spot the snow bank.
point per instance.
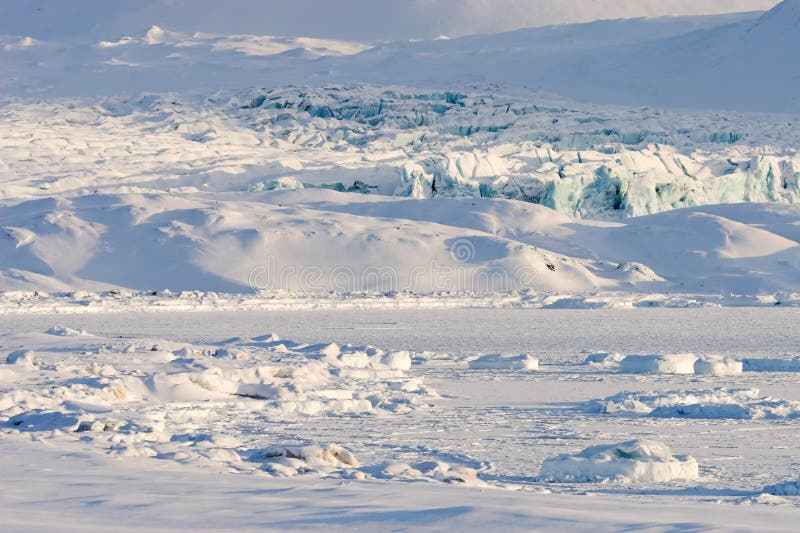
(719, 366)
(603, 359)
(433, 471)
(636, 461)
(667, 364)
(23, 358)
(288, 461)
(504, 362)
(63, 331)
(719, 403)
(771, 365)
(659, 364)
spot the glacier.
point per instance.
(587, 161)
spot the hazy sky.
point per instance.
(342, 19)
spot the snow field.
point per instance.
(199, 403)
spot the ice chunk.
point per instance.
(659, 364)
(630, 462)
(722, 366)
(504, 362)
(397, 360)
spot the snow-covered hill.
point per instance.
(316, 241)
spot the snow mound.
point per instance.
(229, 353)
(24, 358)
(355, 361)
(43, 420)
(63, 331)
(787, 488)
(719, 403)
(433, 471)
(636, 461)
(504, 362)
(771, 365)
(659, 364)
(718, 366)
(289, 461)
(603, 359)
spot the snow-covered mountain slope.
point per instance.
(343, 19)
(615, 62)
(697, 62)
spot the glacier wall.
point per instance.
(485, 141)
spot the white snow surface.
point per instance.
(179, 409)
(175, 180)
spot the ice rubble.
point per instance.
(288, 461)
(585, 161)
(636, 461)
(113, 393)
(504, 362)
(433, 471)
(719, 403)
(603, 359)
